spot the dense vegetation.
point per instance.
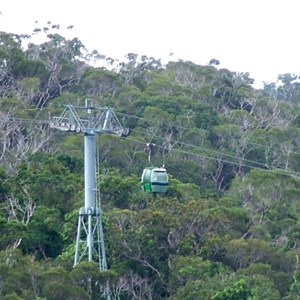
(229, 225)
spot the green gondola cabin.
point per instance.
(154, 180)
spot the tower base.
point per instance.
(90, 241)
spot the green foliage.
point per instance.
(4, 188)
(72, 163)
(56, 283)
(188, 268)
(99, 82)
(228, 226)
(12, 296)
(239, 290)
(43, 233)
(241, 253)
(88, 276)
(121, 191)
(205, 117)
(50, 175)
(19, 274)
(264, 272)
(272, 205)
(11, 231)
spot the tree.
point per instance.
(43, 237)
(264, 272)
(10, 56)
(214, 62)
(185, 269)
(11, 232)
(64, 61)
(56, 284)
(19, 275)
(99, 82)
(135, 69)
(46, 172)
(241, 253)
(96, 283)
(121, 192)
(239, 290)
(271, 201)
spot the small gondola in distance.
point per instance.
(154, 180)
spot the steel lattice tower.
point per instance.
(90, 121)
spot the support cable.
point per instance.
(263, 166)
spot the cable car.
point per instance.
(154, 180)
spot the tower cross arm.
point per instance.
(89, 119)
(108, 122)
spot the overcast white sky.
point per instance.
(256, 36)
